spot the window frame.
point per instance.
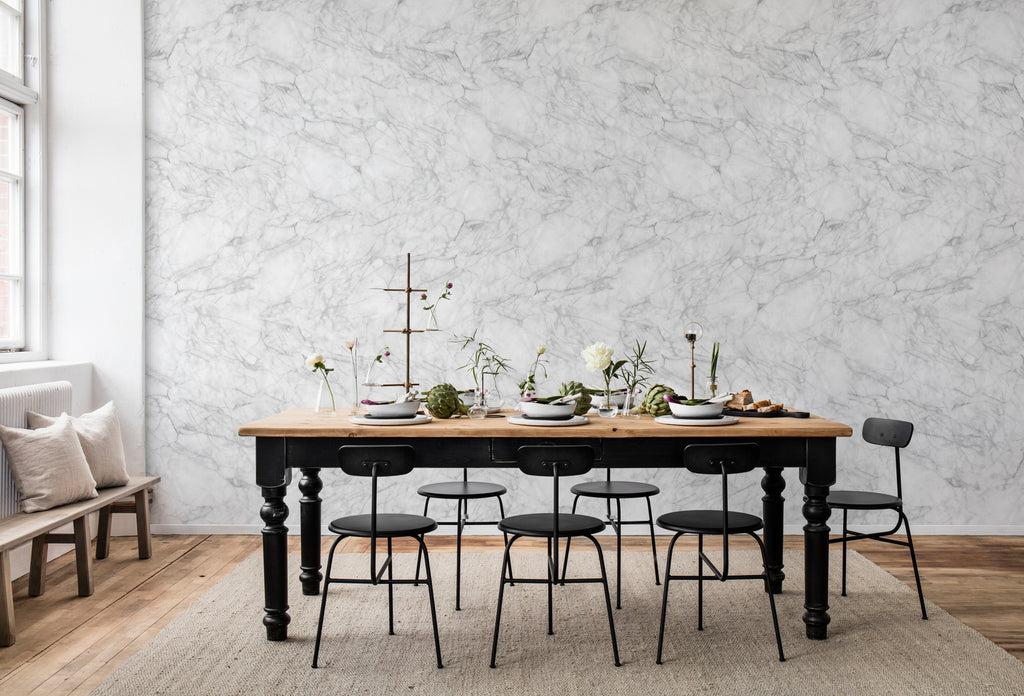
(28, 95)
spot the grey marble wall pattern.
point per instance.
(835, 192)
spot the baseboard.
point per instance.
(293, 529)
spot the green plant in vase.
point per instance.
(529, 385)
(713, 378)
(635, 373)
(483, 360)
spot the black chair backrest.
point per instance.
(722, 460)
(376, 460)
(726, 458)
(889, 433)
(551, 460)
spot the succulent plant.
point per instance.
(654, 400)
(443, 402)
(583, 405)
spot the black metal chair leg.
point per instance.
(607, 600)
(568, 541)
(771, 595)
(913, 560)
(501, 595)
(654, 544)
(391, 593)
(664, 595)
(618, 553)
(323, 600)
(551, 587)
(419, 553)
(845, 531)
(511, 575)
(430, 594)
(460, 514)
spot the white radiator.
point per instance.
(50, 399)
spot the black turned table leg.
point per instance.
(275, 563)
(816, 511)
(772, 510)
(310, 486)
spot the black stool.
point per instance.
(554, 461)
(375, 461)
(720, 460)
(617, 490)
(462, 491)
(888, 433)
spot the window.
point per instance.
(21, 196)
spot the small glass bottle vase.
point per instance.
(716, 385)
(605, 404)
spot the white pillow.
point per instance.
(100, 435)
(48, 465)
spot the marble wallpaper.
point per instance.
(834, 191)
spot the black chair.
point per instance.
(555, 461)
(618, 491)
(461, 491)
(888, 433)
(376, 461)
(717, 460)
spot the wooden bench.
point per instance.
(36, 527)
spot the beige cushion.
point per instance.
(48, 465)
(100, 435)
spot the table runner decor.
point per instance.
(878, 643)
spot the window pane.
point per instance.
(9, 142)
(6, 210)
(6, 309)
(10, 40)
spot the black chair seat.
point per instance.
(542, 524)
(388, 525)
(863, 500)
(615, 489)
(453, 490)
(709, 522)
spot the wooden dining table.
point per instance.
(304, 440)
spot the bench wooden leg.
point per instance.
(37, 568)
(142, 524)
(103, 533)
(83, 556)
(6, 601)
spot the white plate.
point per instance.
(575, 420)
(672, 420)
(417, 420)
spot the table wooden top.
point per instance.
(303, 422)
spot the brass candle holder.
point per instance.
(692, 332)
(408, 330)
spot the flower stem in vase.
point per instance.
(607, 407)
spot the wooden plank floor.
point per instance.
(69, 644)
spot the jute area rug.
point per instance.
(878, 643)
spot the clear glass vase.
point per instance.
(716, 385)
(431, 320)
(324, 405)
(479, 408)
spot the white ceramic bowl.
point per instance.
(468, 398)
(618, 398)
(535, 409)
(700, 411)
(404, 409)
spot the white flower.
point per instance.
(313, 359)
(350, 344)
(598, 357)
(541, 349)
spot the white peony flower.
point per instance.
(598, 357)
(541, 349)
(313, 359)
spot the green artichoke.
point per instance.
(583, 405)
(443, 402)
(654, 401)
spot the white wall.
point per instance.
(834, 189)
(96, 243)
